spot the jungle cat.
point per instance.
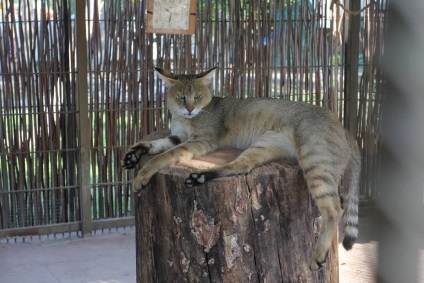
(266, 129)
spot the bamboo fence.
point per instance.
(288, 49)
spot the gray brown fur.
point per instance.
(266, 129)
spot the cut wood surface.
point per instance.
(256, 227)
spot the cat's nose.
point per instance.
(189, 108)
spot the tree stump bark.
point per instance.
(258, 227)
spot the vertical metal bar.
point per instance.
(351, 87)
(400, 199)
(84, 123)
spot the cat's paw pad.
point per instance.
(130, 161)
(195, 179)
(133, 155)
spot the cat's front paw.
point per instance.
(140, 181)
(134, 153)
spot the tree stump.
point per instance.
(257, 227)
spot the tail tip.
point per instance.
(348, 242)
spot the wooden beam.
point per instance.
(40, 230)
(352, 60)
(113, 223)
(84, 125)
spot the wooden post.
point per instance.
(258, 227)
(84, 123)
(352, 61)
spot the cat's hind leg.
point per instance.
(329, 207)
(323, 187)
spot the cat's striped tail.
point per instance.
(350, 196)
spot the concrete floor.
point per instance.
(107, 258)
(358, 265)
(110, 258)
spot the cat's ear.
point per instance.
(206, 77)
(166, 76)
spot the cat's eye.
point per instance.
(181, 97)
(196, 97)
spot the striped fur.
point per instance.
(266, 130)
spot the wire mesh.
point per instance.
(288, 49)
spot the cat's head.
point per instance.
(186, 95)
